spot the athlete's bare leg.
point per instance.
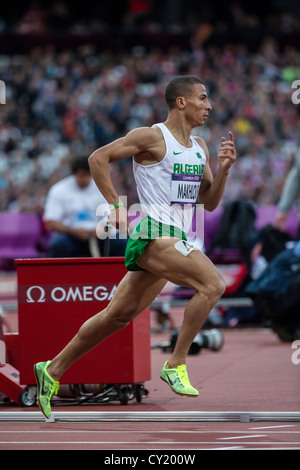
(138, 289)
(195, 271)
(134, 293)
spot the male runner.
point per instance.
(168, 165)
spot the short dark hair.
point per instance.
(180, 86)
(80, 163)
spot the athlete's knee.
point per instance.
(117, 320)
(121, 318)
(119, 323)
(215, 288)
(220, 287)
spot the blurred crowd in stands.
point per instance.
(69, 102)
(63, 16)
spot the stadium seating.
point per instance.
(20, 235)
(266, 215)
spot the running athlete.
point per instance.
(171, 168)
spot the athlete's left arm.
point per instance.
(212, 188)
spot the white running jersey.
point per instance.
(168, 189)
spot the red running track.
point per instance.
(253, 372)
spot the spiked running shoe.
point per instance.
(46, 387)
(178, 380)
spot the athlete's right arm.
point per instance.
(137, 141)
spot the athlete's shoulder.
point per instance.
(144, 137)
(202, 144)
(151, 133)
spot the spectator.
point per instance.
(70, 213)
(68, 103)
(291, 191)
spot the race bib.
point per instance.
(185, 188)
(184, 247)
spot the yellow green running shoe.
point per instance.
(46, 387)
(178, 380)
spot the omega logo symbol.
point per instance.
(41, 298)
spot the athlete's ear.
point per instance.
(180, 101)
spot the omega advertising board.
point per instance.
(57, 295)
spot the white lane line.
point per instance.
(271, 448)
(228, 448)
(156, 443)
(138, 431)
(272, 427)
(242, 437)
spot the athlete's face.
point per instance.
(197, 105)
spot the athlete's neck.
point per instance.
(180, 130)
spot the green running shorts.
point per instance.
(146, 230)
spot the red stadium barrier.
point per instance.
(55, 296)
